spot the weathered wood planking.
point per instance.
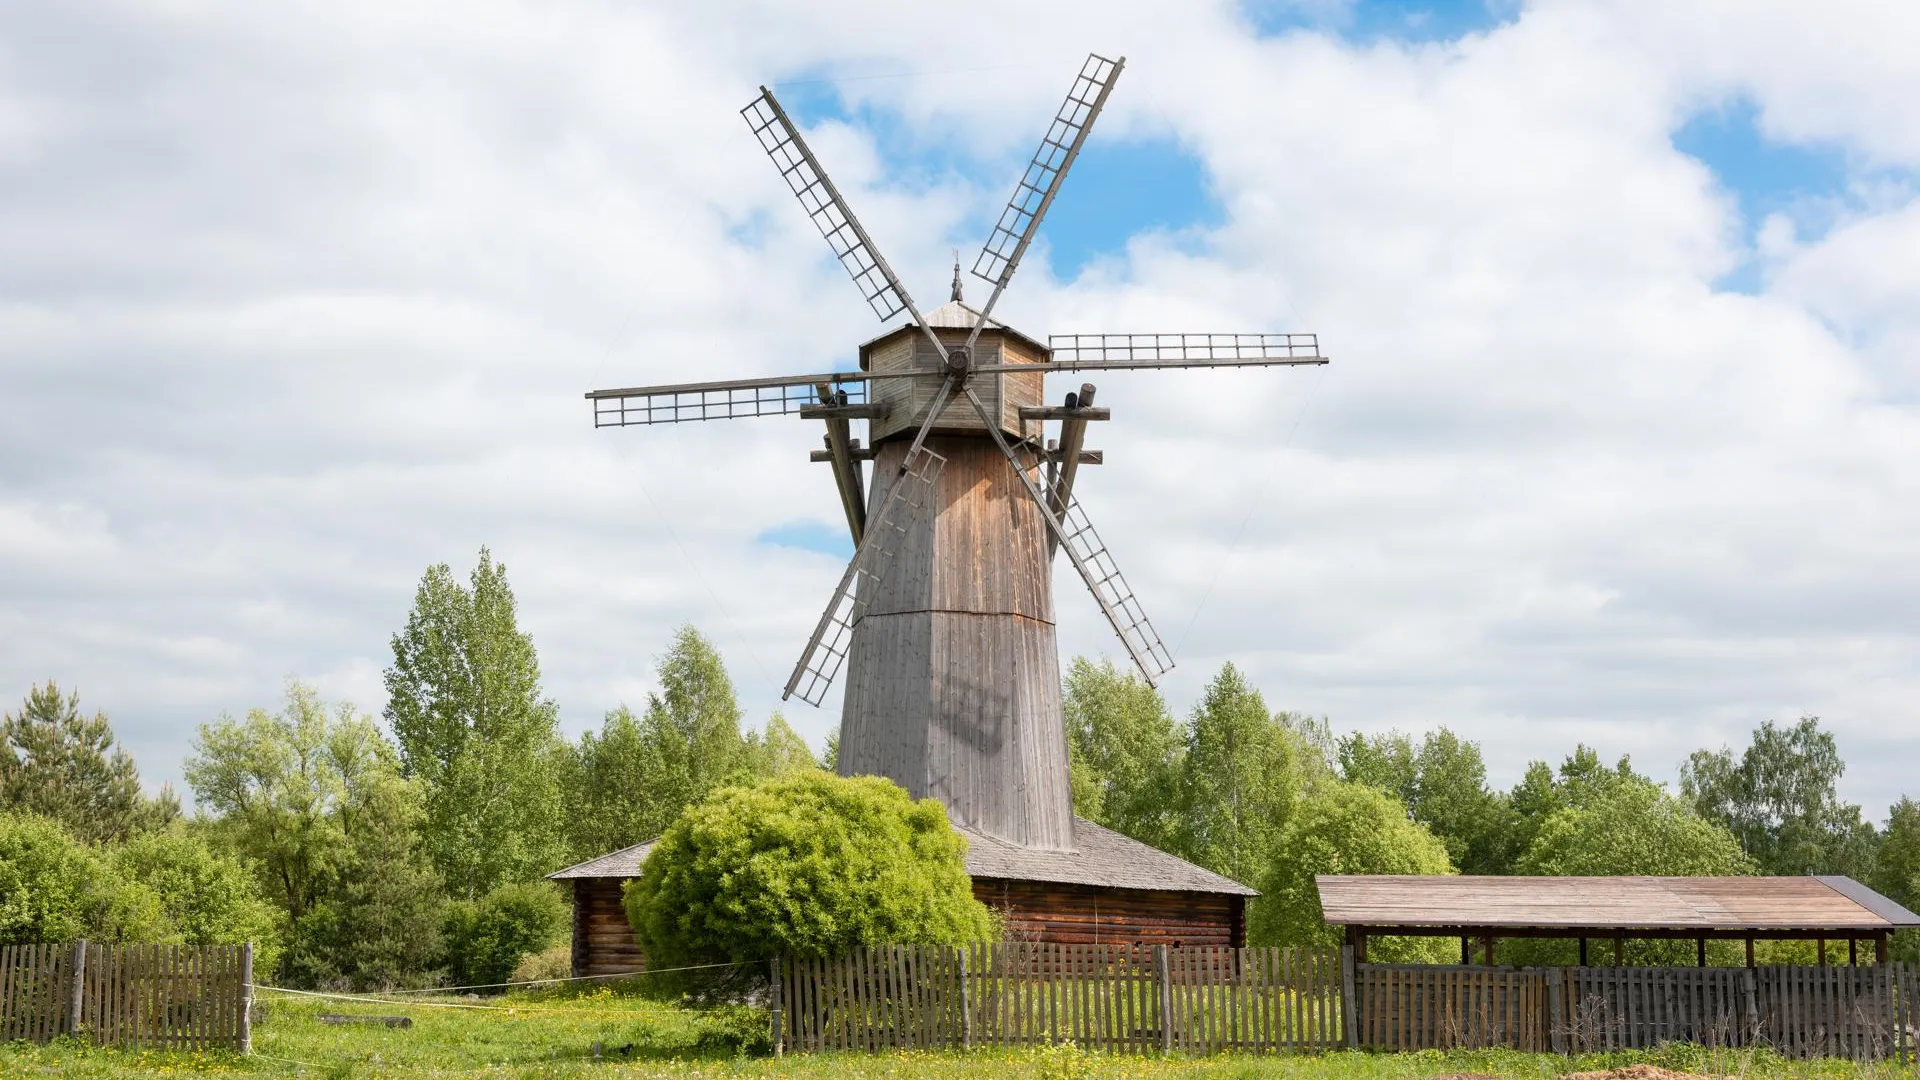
(953, 678)
(189, 997)
(1071, 914)
(1118, 998)
(603, 939)
(907, 400)
(1724, 905)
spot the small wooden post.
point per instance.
(1466, 950)
(76, 988)
(1700, 952)
(1821, 949)
(1486, 949)
(1349, 999)
(1583, 952)
(778, 1007)
(246, 998)
(1880, 948)
(1619, 950)
(1749, 952)
(1750, 1000)
(966, 1002)
(1853, 953)
(1163, 974)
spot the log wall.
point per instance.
(1093, 915)
(603, 942)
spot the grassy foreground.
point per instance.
(555, 1035)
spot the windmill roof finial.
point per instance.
(956, 276)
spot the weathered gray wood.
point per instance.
(846, 471)
(1163, 980)
(1349, 998)
(76, 987)
(1079, 414)
(338, 1019)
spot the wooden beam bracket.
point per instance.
(1061, 412)
(865, 411)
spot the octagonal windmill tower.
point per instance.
(944, 618)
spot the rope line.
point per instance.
(575, 978)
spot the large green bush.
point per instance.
(1345, 828)
(488, 937)
(54, 888)
(808, 865)
(205, 897)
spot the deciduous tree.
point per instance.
(1780, 798)
(1124, 749)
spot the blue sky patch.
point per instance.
(1375, 20)
(810, 535)
(1807, 183)
(1117, 189)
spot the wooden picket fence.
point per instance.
(177, 997)
(1109, 997)
(1863, 1013)
(1415, 1007)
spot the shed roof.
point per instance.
(1100, 857)
(1610, 903)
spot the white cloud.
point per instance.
(295, 301)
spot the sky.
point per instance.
(1622, 297)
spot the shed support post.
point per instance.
(1619, 950)
(1163, 977)
(1700, 951)
(1583, 952)
(76, 989)
(1466, 950)
(1880, 948)
(1349, 999)
(1750, 1001)
(1820, 949)
(1749, 952)
(1486, 949)
(1853, 952)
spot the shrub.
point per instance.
(205, 898)
(553, 963)
(806, 864)
(53, 888)
(486, 938)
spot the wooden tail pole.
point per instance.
(76, 995)
(246, 998)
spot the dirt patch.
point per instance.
(1640, 1072)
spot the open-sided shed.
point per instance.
(1484, 909)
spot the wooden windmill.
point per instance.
(944, 616)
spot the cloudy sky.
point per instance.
(1623, 298)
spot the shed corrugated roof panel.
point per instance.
(1664, 903)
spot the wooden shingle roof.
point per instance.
(1610, 903)
(1099, 857)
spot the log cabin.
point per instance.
(1108, 888)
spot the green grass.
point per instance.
(554, 1035)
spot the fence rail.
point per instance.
(180, 997)
(1111, 997)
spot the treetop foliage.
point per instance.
(61, 764)
(1780, 798)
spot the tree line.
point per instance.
(411, 850)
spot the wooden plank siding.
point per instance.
(1040, 911)
(953, 676)
(603, 941)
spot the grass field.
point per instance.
(556, 1035)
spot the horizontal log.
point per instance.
(377, 1021)
(858, 453)
(1062, 412)
(877, 410)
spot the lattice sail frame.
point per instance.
(1000, 256)
(824, 206)
(912, 492)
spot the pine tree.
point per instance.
(62, 765)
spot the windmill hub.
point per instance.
(959, 362)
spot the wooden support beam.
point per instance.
(1749, 952)
(1880, 948)
(1073, 434)
(1700, 952)
(1079, 411)
(1853, 952)
(1820, 948)
(1087, 457)
(1583, 952)
(1466, 951)
(1619, 950)
(854, 451)
(835, 411)
(1486, 946)
(846, 471)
